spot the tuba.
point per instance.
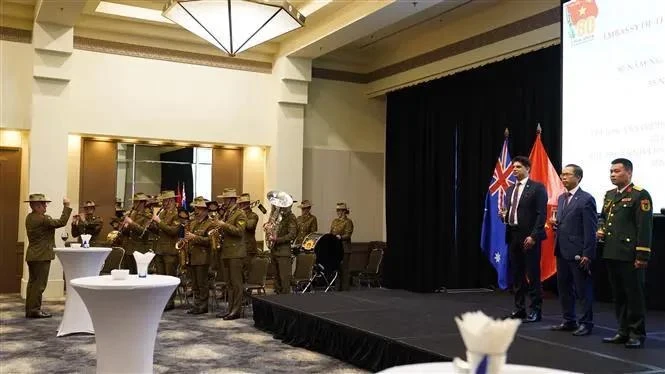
(278, 200)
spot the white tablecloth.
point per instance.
(448, 368)
(77, 263)
(125, 314)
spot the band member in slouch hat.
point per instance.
(40, 229)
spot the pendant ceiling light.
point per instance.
(234, 25)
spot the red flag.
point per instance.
(543, 171)
(178, 196)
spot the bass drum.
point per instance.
(328, 249)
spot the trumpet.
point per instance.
(216, 239)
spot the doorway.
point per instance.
(11, 254)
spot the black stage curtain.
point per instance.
(172, 174)
(420, 156)
(455, 125)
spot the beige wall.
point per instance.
(344, 156)
(15, 84)
(253, 181)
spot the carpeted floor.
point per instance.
(185, 344)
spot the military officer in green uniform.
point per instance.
(167, 225)
(283, 236)
(198, 246)
(342, 228)
(625, 226)
(40, 228)
(243, 203)
(137, 237)
(307, 223)
(232, 226)
(88, 223)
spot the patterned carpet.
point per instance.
(185, 344)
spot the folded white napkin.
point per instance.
(482, 334)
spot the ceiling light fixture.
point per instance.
(235, 25)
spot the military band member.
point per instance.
(244, 202)
(284, 235)
(307, 223)
(88, 223)
(342, 228)
(626, 226)
(232, 228)
(167, 225)
(198, 244)
(135, 232)
(40, 229)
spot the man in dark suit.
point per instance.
(575, 249)
(526, 207)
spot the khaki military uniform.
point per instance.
(344, 228)
(91, 226)
(166, 256)
(307, 224)
(40, 229)
(250, 240)
(627, 220)
(232, 227)
(137, 237)
(199, 262)
(281, 252)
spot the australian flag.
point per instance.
(493, 236)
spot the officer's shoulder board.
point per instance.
(637, 188)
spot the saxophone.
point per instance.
(182, 245)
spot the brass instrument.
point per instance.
(278, 200)
(112, 237)
(216, 239)
(182, 245)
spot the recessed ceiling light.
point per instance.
(131, 11)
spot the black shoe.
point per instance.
(232, 316)
(221, 314)
(566, 326)
(518, 314)
(533, 317)
(169, 307)
(40, 314)
(583, 330)
(635, 343)
(616, 339)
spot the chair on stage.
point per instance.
(329, 254)
(303, 273)
(371, 275)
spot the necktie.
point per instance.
(513, 205)
(567, 199)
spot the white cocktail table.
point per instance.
(126, 315)
(77, 263)
(449, 368)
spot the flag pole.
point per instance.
(506, 133)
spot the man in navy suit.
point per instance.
(575, 249)
(526, 207)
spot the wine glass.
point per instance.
(64, 236)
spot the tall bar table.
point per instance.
(126, 315)
(77, 263)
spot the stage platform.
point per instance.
(378, 328)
